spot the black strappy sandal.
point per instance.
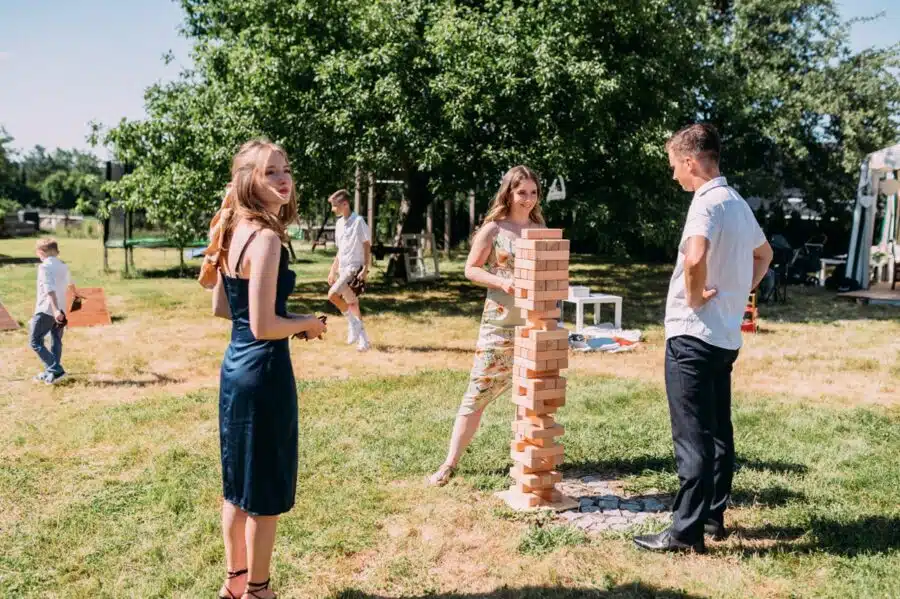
(260, 586)
(231, 576)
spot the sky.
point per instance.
(64, 63)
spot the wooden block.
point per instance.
(93, 310)
(7, 323)
(550, 495)
(549, 355)
(524, 303)
(549, 275)
(532, 464)
(520, 501)
(530, 285)
(549, 294)
(533, 451)
(538, 325)
(546, 394)
(531, 431)
(542, 442)
(518, 445)
(542, 234)
(537, 306)
(536, 479)
(539, 245)
(542, 490)
(563, 244)
(523, 274)
(540, 421)
(551, 405)
(535, 405)
(554, 335)
(550, 255)
(544, 465)
(545, 320)
(537, 384)
(530, 501)
(527, 364)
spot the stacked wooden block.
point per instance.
(541, 351)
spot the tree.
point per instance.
(447, 94)
(797, 109)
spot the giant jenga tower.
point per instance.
(542, 279)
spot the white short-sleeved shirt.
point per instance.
(52, 275)
(721, 215)
(350, 234)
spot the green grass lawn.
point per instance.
(110, 487)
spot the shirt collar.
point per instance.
(711, 184)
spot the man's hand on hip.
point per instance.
(697, 303)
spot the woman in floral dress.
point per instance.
(490, 264)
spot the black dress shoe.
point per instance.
(715, 529)
(664, 541)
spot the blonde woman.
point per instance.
(257, 395)
(490, 264)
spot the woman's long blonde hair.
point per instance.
(499, 208)
(242, 202)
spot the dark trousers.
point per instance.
(698, 386)
(41, 326)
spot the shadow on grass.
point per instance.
(666, 463)
(84, 379)
(867, 535)
(389, 349)
(626, 591)
(17, 260)
(190, 271)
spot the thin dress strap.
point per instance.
(240, 260)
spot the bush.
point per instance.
(8, 206)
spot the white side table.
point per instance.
(596, 299)
(824, 263)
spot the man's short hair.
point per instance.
(341, 195)
(47, 245)
(700, 140)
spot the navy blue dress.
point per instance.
(258, 407)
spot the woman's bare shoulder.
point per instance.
(488, 231)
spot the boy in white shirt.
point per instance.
(351, 234)
(53, 281)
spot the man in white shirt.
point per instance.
(723, 254)
(53, 281)
(354, 245)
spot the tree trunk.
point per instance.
(429, 226)
(416, 198)
(371, 209)
(471, 214)
(448, 224)
(357, 192)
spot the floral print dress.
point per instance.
(492, 368)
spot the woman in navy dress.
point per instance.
(258, 395)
